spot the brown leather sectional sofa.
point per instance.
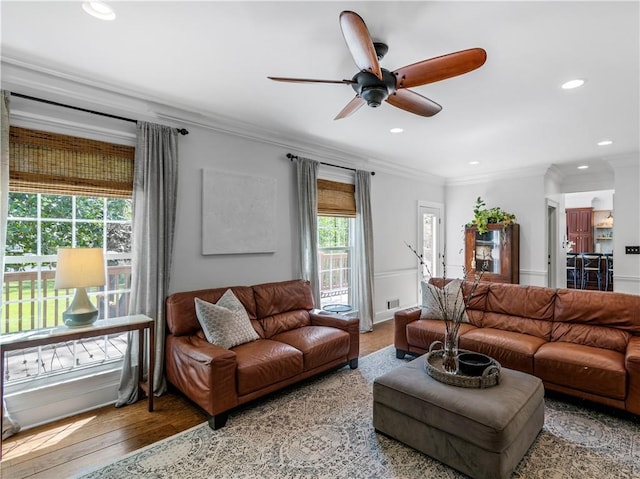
(296, 342)
(581, 343)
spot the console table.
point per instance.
(61, 334)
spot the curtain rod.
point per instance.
(182, 131)
(295, 157)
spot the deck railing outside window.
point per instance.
(335, 253)
(30, 302)
(335, 276)
(37, 225)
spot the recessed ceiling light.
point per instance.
(571, 84)
(99, 10)
(396, 130)
(583, 167)
(605, 143)
(474, 162)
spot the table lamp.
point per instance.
(80, 268)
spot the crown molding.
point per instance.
(623, 160)
(46, 81)
(554, 173)
(534, 171)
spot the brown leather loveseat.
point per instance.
(295, 342)
(581, 343)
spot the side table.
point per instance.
(103, 327)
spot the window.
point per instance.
(336, 221)
(61, 194)
(335, 259)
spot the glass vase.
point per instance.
(450, 355)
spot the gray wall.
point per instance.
(394, 205)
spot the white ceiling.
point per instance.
(213, 58)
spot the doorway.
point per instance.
(431, 238)
(552, 243)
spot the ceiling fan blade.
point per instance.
(351, 108)
(440, 68)
(359, 42)
(413, 102)
(309, 80)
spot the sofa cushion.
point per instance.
(281, 297)
(518, 324)
(420, 334)
(520, 309)
(181, 311)
(511, 350)
(585, 368)
(436, 298)
(264, 362)
(617, 310)
(223, 326)
(588, 335)
(279, 323)
(319, 344)
(534, 302)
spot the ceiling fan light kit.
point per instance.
(373, 84)
(372, 89)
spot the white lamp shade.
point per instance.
(80, 268)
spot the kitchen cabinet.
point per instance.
(580, 229)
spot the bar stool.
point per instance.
(572, 269)
(591, 264)
(608, 279)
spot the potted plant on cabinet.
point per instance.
(492, 244)
(483, 217)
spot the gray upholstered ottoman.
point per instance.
(483, 433)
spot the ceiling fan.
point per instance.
(373, 84)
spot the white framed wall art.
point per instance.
(238, 213)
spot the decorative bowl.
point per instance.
(473, 364)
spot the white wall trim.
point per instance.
(623, 160)
(536, 171)
(35, 121)
(36, 80)
(397, 273)
(626, 284)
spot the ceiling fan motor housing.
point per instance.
(373, 90)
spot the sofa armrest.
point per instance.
(204, 372)
(350, 325)
(400, 321)
(333, 320)
(632, 365)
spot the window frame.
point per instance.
(350, 250)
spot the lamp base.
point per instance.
(80, 312)
(76, 320)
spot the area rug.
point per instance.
(322, 429)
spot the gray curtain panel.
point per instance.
(307, 174)
(364, 251)
(154, 209)
(9, 426)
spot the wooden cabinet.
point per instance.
(496, 252)
(580, 229)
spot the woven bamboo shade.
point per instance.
(43, 162)
(336, 199)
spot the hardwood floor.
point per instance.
(67, 446)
